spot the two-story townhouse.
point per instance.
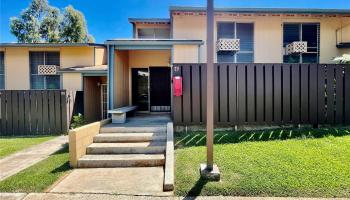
(139, 68)
(80, 68)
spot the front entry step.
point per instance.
(144, 129)
(129, 137)
(122, 160)
(126, 148)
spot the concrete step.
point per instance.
(144, 129)
(122, 160)
(126, 148)
(129, 137)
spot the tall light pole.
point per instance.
(209, 170)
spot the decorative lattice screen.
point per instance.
(47, 69)
(228, 45)
(296, 47)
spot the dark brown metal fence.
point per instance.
(33, 112)
(266, 94)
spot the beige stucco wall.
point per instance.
(72, 81)
(268, 34)
(121, 74)
(77, 56)
(149, 58)
(17, 69)
(186, 53)
(100, 56)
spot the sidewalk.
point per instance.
(21, 160)
(78, 196)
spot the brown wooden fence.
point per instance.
(33, 112)
(266, 94)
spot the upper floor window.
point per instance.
(153, 33)
(2, 70)
(242, 31)
(306, 32)
(43, 81)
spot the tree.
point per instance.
(26, 27)
(49, 27)
(73, 26)
(41, 22)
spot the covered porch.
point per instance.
(139, 73)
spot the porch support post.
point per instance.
(110, 76)
(209, 170)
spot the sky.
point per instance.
(108, 19)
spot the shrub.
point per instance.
(77, 121)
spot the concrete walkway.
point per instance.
(21, 160)
(122, 181)
(77, 196)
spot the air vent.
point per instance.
(296, 47)
(47, 69)
(228, 45)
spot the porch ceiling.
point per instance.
(150, 43)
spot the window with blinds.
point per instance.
(2, 70)
(43, 81)
(242, 31)
(153, 33)
(308, 32)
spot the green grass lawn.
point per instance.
(303, 163)
(9, 145)
(40, 176)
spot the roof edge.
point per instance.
(264, 10)
(149, 20)
(52, 45)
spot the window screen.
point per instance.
(2, 70)
(309, 32)
(43, 81)
(242, 31)
(153, 33)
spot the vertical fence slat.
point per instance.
(347, 95)
(286, 68)
(46, 122)
(9, 110)
(39, 99)
(58, 112)
(15, 112)
(3, 113)
(250, 93)
(241, 93)
(21, 112)
(63, 106)
(187, 94)
(33, 113)
(313, 94)
(260, 100)
(277, 86)
(268, 93)
(232, 82)
(223, 94)
(296, 93)
(204, 92)
(196, 94)
(216, 93)
(51, 95)
(339, 113)
(304, 98)
(321, 115)
(27, 119)
(330, 94)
